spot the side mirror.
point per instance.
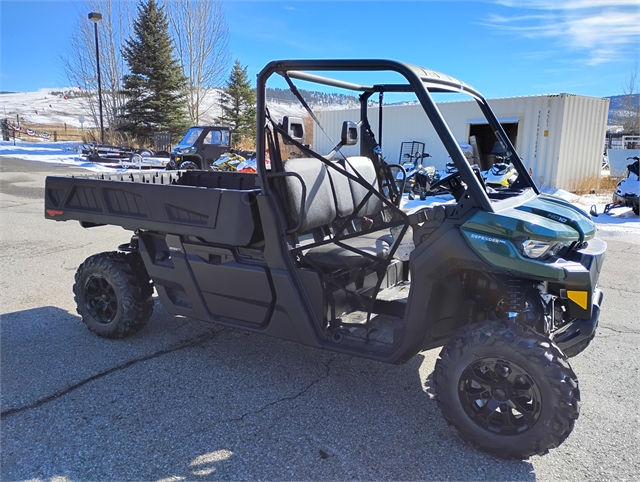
(349, 136)
(294, 127)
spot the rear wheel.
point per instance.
(507, 389)
(113, 294)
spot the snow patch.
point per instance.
(621, 221)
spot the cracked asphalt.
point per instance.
(187, 400)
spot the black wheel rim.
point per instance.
(500, 396)
(101, 299)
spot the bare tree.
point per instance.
(201, 38)
(628, 116)
(80, 66)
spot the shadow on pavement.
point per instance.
(184, 400)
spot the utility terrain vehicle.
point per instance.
(200, 147)
(504, 281)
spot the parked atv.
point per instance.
(504, 281)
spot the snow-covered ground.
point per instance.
(67, 153)
(619, 221)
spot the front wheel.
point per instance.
(189, 165)
(507, 389)
(113, 294)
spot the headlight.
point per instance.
(186, 150)
(535, 249)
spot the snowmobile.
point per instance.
(501, 175)
(424, 178)
(228, 161)
(627, 191)
(418, 177)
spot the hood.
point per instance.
(545, 218)
(628, 187)
(558, 210)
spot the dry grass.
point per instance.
(594, 185)
(245, 145)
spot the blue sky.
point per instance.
(502, 47)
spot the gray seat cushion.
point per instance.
(331, 256)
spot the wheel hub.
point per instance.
(500, 396)
(100, 299)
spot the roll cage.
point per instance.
(420, 81)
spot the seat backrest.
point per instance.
(329, 194)
(341, 191)
(365, 167)
(319, 204)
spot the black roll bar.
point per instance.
(416, 76)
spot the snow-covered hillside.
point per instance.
(65, 106)
(44, 108)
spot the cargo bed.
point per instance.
(194, 203)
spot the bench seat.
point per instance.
(331, 197)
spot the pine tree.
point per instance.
(155, 86)
(238, 104)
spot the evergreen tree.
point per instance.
(155, 86)
(238, 104)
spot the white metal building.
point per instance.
(559, 137)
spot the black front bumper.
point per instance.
(580, 330)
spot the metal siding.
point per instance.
(570, 151)
(584, 130)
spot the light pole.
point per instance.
(95, 17)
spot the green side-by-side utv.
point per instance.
(307, 250)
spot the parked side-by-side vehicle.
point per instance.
(503, 280)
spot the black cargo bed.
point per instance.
(219, 207)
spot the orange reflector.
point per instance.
(579, 298)
(52, 212)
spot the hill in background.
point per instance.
(618, 103)
(60, 107)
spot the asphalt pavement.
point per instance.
(188, 400)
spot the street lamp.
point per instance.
(95, 17)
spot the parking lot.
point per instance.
(187, 400)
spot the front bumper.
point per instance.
(581, 272)
(579, 330)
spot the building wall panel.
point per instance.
(560, 137)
